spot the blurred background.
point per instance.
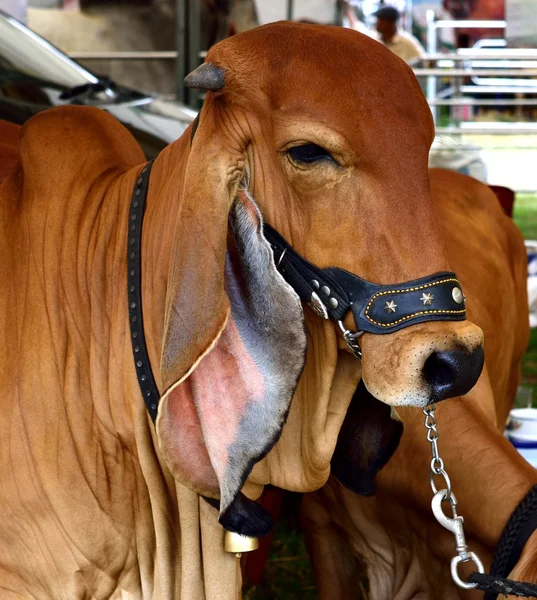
(476, 61)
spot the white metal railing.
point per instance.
(496, 70)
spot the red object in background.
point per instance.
(253, 563)
(506, 197)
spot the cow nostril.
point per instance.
(437, 370)
(452, 373)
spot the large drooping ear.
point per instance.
(230, 378)
(368, 438)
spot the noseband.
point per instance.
(376, 308)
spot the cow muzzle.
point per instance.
(423, 364)
(440, 356)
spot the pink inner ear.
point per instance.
(204, 413)
(223, 385)
(182, 442)
(231, 410)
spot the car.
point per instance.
(35, 76)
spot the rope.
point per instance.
(499, 585)
(521, 524)
(505, 558)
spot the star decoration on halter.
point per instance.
(390, 306)
(427, 298)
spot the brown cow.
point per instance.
(8, 149)
(95, 501)
(393, 535)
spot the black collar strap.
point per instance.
(148, 387)
(376, 308)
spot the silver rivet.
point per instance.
(325, 290)
(139, 363)
(457, 295)
(132, 255)
(138, 191)
(317, 306)
(333, 302)
(144, 170)
(148, 394)
(153, 407)
(135, 204)
(133, 304)
(143, 377)
(315, 284)
(137, 348)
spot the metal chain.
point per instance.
(454, 524)
(351, 339)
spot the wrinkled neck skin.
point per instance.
(80, 453)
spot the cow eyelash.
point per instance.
(309, 154)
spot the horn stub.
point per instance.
(206, 77)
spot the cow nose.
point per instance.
(452, 373)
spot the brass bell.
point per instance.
(237, 543)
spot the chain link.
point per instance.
(351, 339)
(455, 523)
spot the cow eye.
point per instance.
(309, 153)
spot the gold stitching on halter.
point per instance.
(416, 314)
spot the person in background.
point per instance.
(400, 42)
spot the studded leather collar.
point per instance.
(146, 380)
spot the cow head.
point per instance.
(328, 133)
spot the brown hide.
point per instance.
(393, 535)
(96, 502)
(9, 150)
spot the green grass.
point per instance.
(525, 216)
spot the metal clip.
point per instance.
(351, 339)
(455, 525)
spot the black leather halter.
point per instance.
(376, 308)
(330, 292)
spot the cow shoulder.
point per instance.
(76, 141)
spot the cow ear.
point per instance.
(368, 438)
(234, 339)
